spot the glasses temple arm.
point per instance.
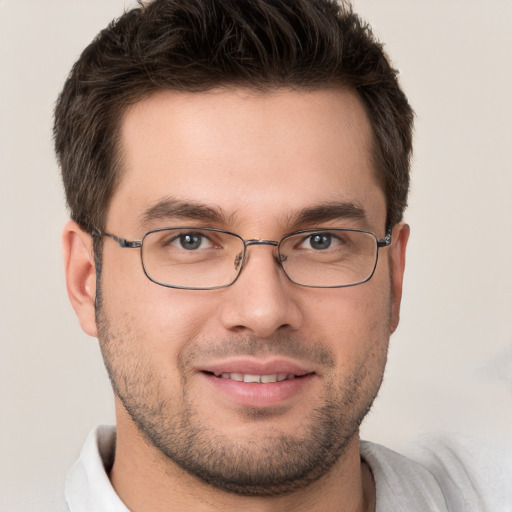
(386, 241)
(130, 244)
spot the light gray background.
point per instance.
(450, 368)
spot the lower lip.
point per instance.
(254, 394)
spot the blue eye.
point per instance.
(190, 241)
(320, 241)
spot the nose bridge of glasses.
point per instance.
(253, 241)
(256, 241)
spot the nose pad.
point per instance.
(239, 260)
(242, 257)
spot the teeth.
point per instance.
(264, 379)
(252, 378)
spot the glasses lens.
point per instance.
(329, 258)
(192, 258)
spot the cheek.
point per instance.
(163, 319)
(353, 321)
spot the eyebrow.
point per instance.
(168, 208)
(330, 211)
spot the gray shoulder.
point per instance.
(46, 502)
(458, 474)
(475, 476)
(55, 504)
(401, 484)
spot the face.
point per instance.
(250, 163)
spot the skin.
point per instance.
(257, 159)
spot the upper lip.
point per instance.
(248, 366)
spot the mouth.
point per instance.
(256, 378)
(249, 382)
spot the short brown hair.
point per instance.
(196, 45)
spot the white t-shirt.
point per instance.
(452, 477)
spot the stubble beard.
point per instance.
(274, 463)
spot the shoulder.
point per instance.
(45, 501)
(401, 484)
(475, 476)
(454, 474)
(54, 503)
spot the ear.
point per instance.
(80, 274)
(397, 266)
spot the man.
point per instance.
(236, 173)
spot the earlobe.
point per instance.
(80, 274)
(397, 267)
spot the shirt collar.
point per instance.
(88, 486)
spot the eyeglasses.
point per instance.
(206, 258)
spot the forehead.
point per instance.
(251, 155)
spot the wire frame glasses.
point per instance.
(207, 258)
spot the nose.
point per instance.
(263, 300)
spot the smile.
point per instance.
(260, 385)
(262, 379)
